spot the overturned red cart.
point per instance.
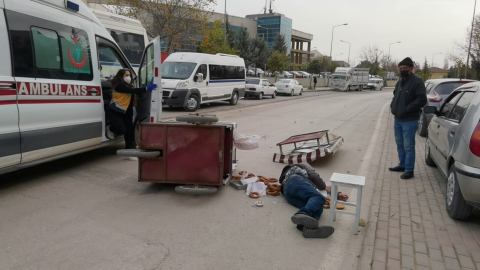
(195, 152)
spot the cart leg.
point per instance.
(281, 151)
(318, 142)
(295, 144)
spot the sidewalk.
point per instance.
(318, 89)
(413, 230)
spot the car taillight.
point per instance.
(475, 141)
(286, 86)
(253, 89)
(437, 98)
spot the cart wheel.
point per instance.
(138, 153)
(200, 119)
(195, 190)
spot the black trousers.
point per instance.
(122, 124)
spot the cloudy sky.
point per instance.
(424, 27)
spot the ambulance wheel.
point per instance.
(196, 190)
(197, 119)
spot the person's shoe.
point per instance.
(397, 169)
(407, 175)
(307, 221)
(320, 232)
(110, 135)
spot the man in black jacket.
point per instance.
(300, 185)
(409, 97)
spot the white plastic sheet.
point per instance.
(248, 142)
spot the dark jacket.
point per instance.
(312, 175)
(315, 79)
(409, 97)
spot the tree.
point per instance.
(372, 58)
(259, 52)
(230, 34)
(278, 62)
(244, 46)
(445, 64)
(213, 41)
(280, 44)
(315, 66)
(178, 22)
(424, 73)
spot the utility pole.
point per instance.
(433, 57)
(225, 34)
(349, 46)
(470, 44)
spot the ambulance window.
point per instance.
(47, 51)
(147, 66)
(109, 61)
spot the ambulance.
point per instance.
(53, 94)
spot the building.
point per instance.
(341, 63)
(270, 25)
(438, 73)
(300, 53)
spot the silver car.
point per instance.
(453, 145)
(437, 91)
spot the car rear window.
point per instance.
(252, 81)
(447, 88)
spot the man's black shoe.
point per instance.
(307, 221)
(397, 169)
(407, 175)
(320, 232)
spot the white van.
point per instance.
(375, 84)
(191, 79)
(52, 97)
(129, 34)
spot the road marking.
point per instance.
(367, 158)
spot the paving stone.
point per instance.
(378, 265)
(407, 239)
(407, 250)
(393, 264)
(449, 252)
(476, 256)
(435, 254)
(420, 247)
(381, 244)
(408, 262)
(380, 255)
(466, 261)
(421, 259)
(461, 250)
(393, 253)
(394, 242)
(433, 243)
(436, 265)
(418, 236)
(382, 234)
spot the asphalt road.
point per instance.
(89, 211)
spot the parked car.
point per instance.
(289, 87)
(453, 145)
(259, 88)
(437, 91)
(297, 74)
(305, 74)
(284, 74)
(251, 72)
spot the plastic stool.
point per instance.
(351, 181)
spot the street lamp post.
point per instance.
(338, 55)
(331, 43)
(470, 43)
(433, 57)
(349, 45)
(389, 57)
(225, 35)
(259, 26)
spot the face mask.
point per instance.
(405, 73)
(127, 79)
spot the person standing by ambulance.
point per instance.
(120, 110)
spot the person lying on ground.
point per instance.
(301, 186)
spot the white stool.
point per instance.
(351, 181)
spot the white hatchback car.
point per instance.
(259, 88)
(289, 87)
